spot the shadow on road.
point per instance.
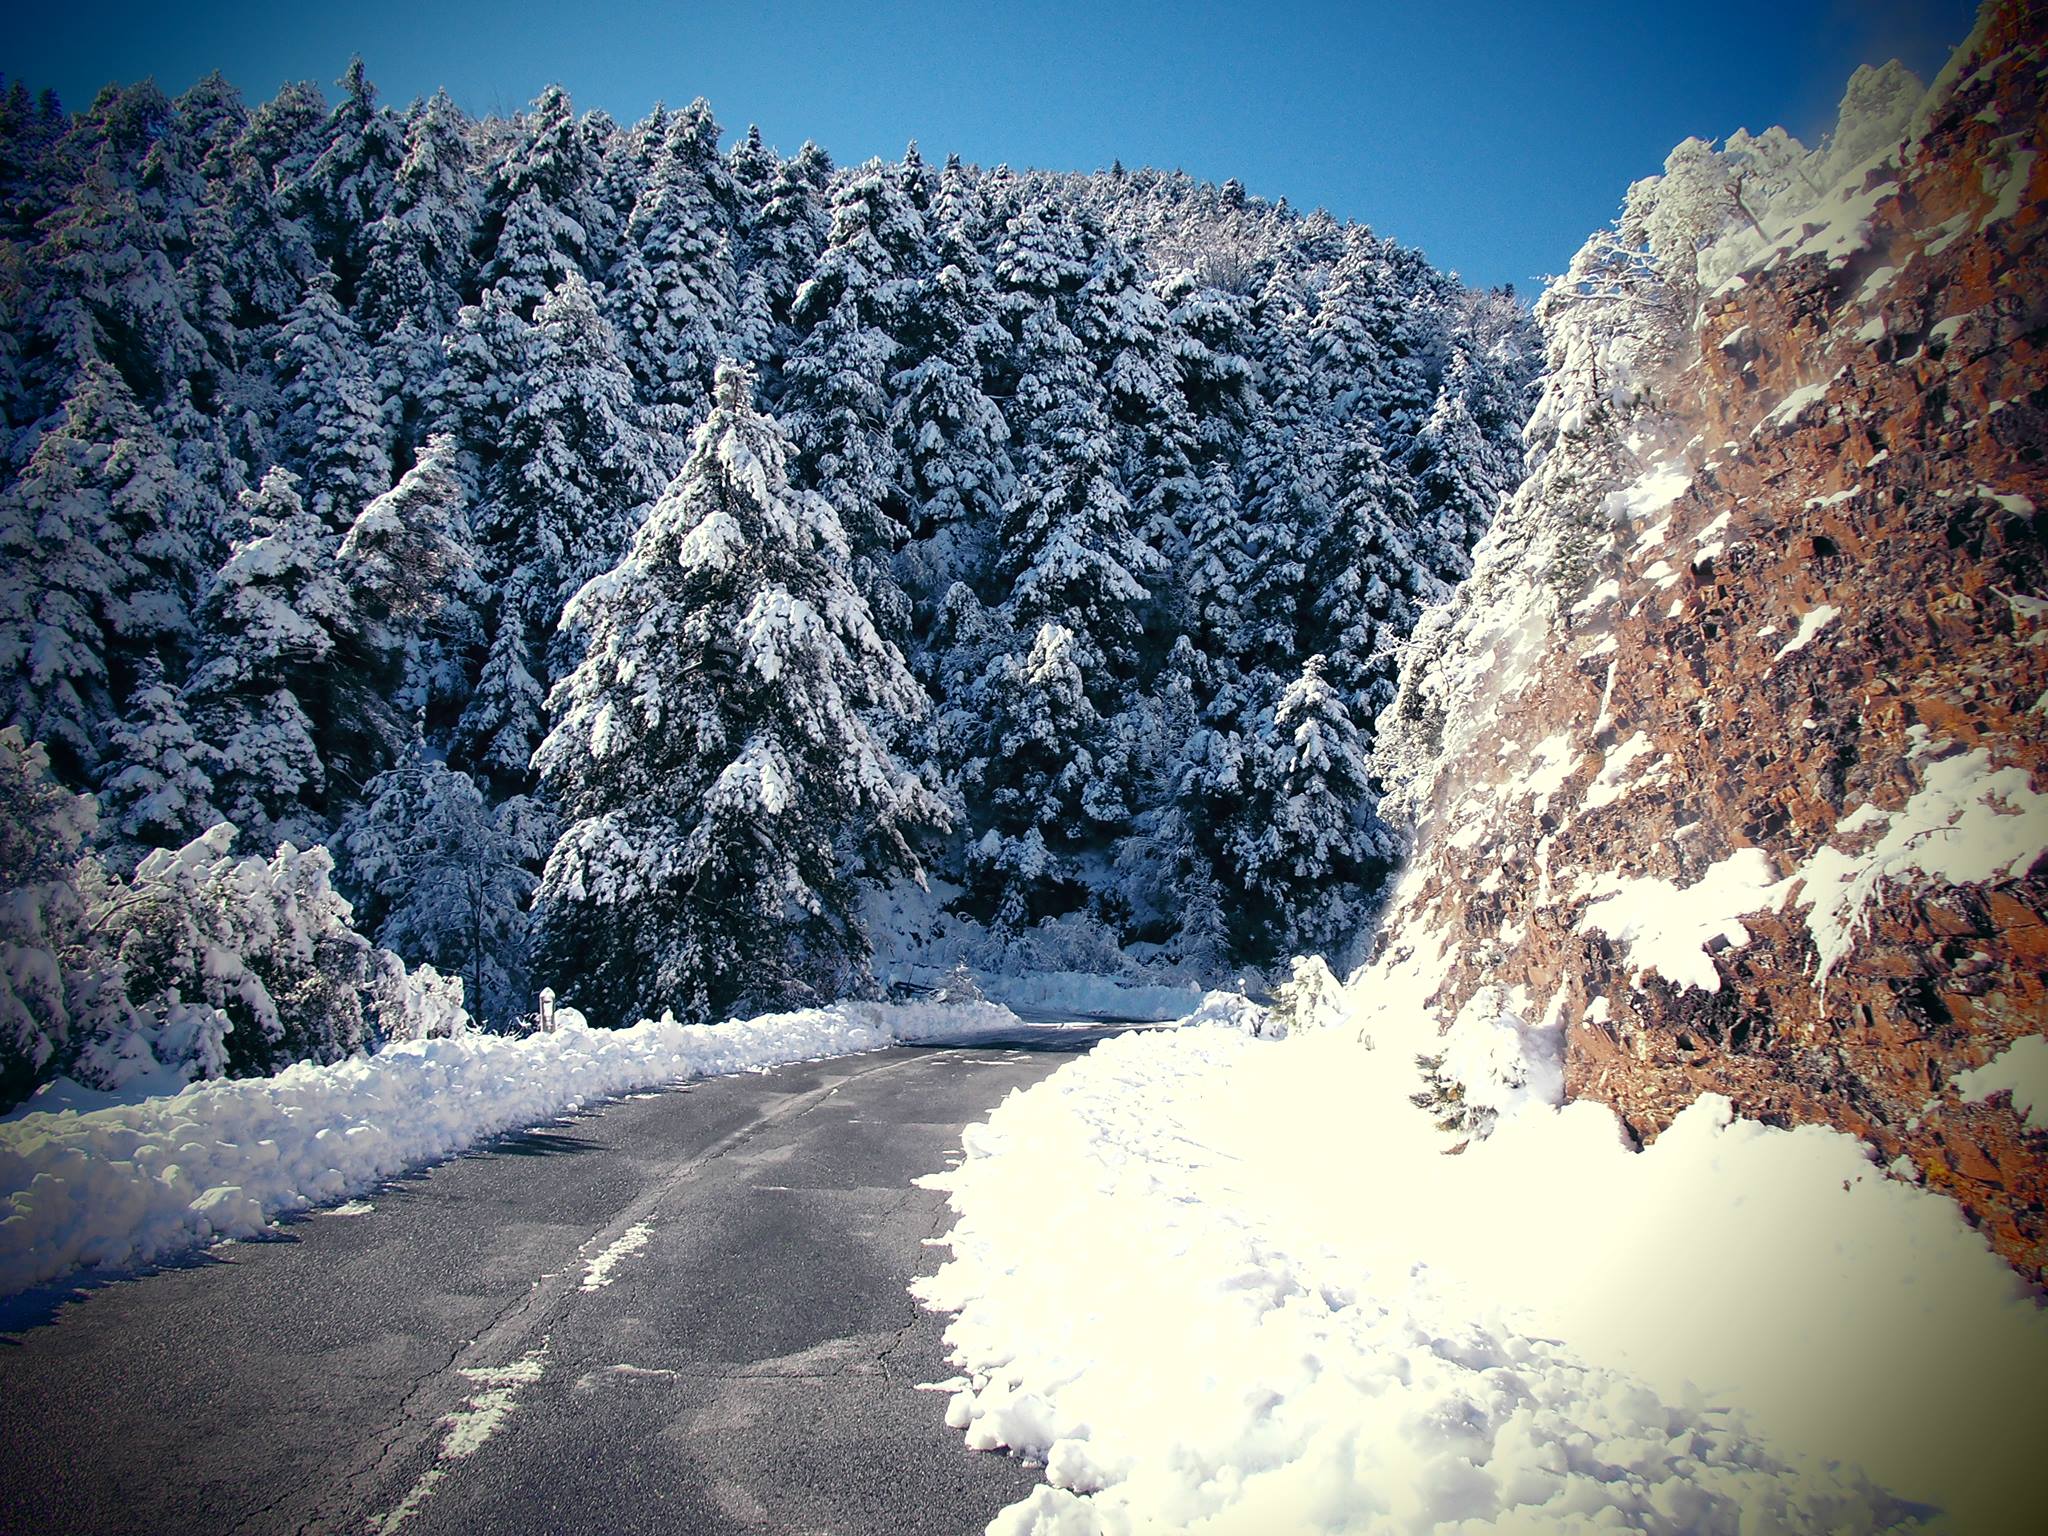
(532, 1144)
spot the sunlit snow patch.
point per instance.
(2020, 1070)
(466, 1430)
(1392, 1339)
(1668, 928)
(598, 1273)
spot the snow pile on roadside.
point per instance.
(1260, 1299)
(135, 1183)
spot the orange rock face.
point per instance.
(1845, 607)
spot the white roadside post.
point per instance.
(547, 1010)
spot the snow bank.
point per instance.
(1260, 1300)
(136, 1183)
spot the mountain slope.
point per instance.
(1726, 764)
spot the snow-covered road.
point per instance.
(686, 1311)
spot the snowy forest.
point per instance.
(447, 557)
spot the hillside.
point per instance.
(1725, 764)
(1079, 499)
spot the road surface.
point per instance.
(684, 1312)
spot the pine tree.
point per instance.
(1068, 547)
(575, 468)
(273, 253)
(711, 752)
(51, 982)
(1311, 846)
(445, 878)
(1218, 568)
(1462, 470)
(410, 562)
(418, 265)
(1042, 734)
(951, 439)
(1126, 329)
(539, 206)
(286, 687)
(677, 290)
(782, 243)
(159, 788)
(336, 428)
(1367, 583)
(348, 188)
(834, 381)
(97, 571)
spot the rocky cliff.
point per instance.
(1727, 765)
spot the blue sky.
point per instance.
(1493, 135)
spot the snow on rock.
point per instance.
(1671, 929)
(2020, 1070)
(1262, 1301)
(132, 1184)
(1794, 406)
(1810, 625)
(1650, 494)
(1968, 822)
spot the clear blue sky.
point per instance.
(1491, 134)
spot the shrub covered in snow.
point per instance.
(202, 963)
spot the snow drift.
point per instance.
(1260, 1299)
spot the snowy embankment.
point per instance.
(1218, 1283)
(141, 1182)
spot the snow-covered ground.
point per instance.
(1226, 1284)
(133, 1183)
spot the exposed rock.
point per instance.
(1792, 664)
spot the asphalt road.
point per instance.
(461, 1357)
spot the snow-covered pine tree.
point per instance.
(97, 572)
(576, 465)
(335, 431)
(287, 687)
(674, 285)
(1040, 733)
(951, 439)
(1461, 469)
(52, 982)
(1311, 845)
(712, 754)
(751, 165)
(159, 792)
(1217, 569)
(537, 216)
(1069, 551)
(1126, 329)
(348, 188)
(834, 382)
(1213, 342)
(445, 878)
(1287, 480)
(410, 563)
(782, 242)
(1365, 580)
(418, 266)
